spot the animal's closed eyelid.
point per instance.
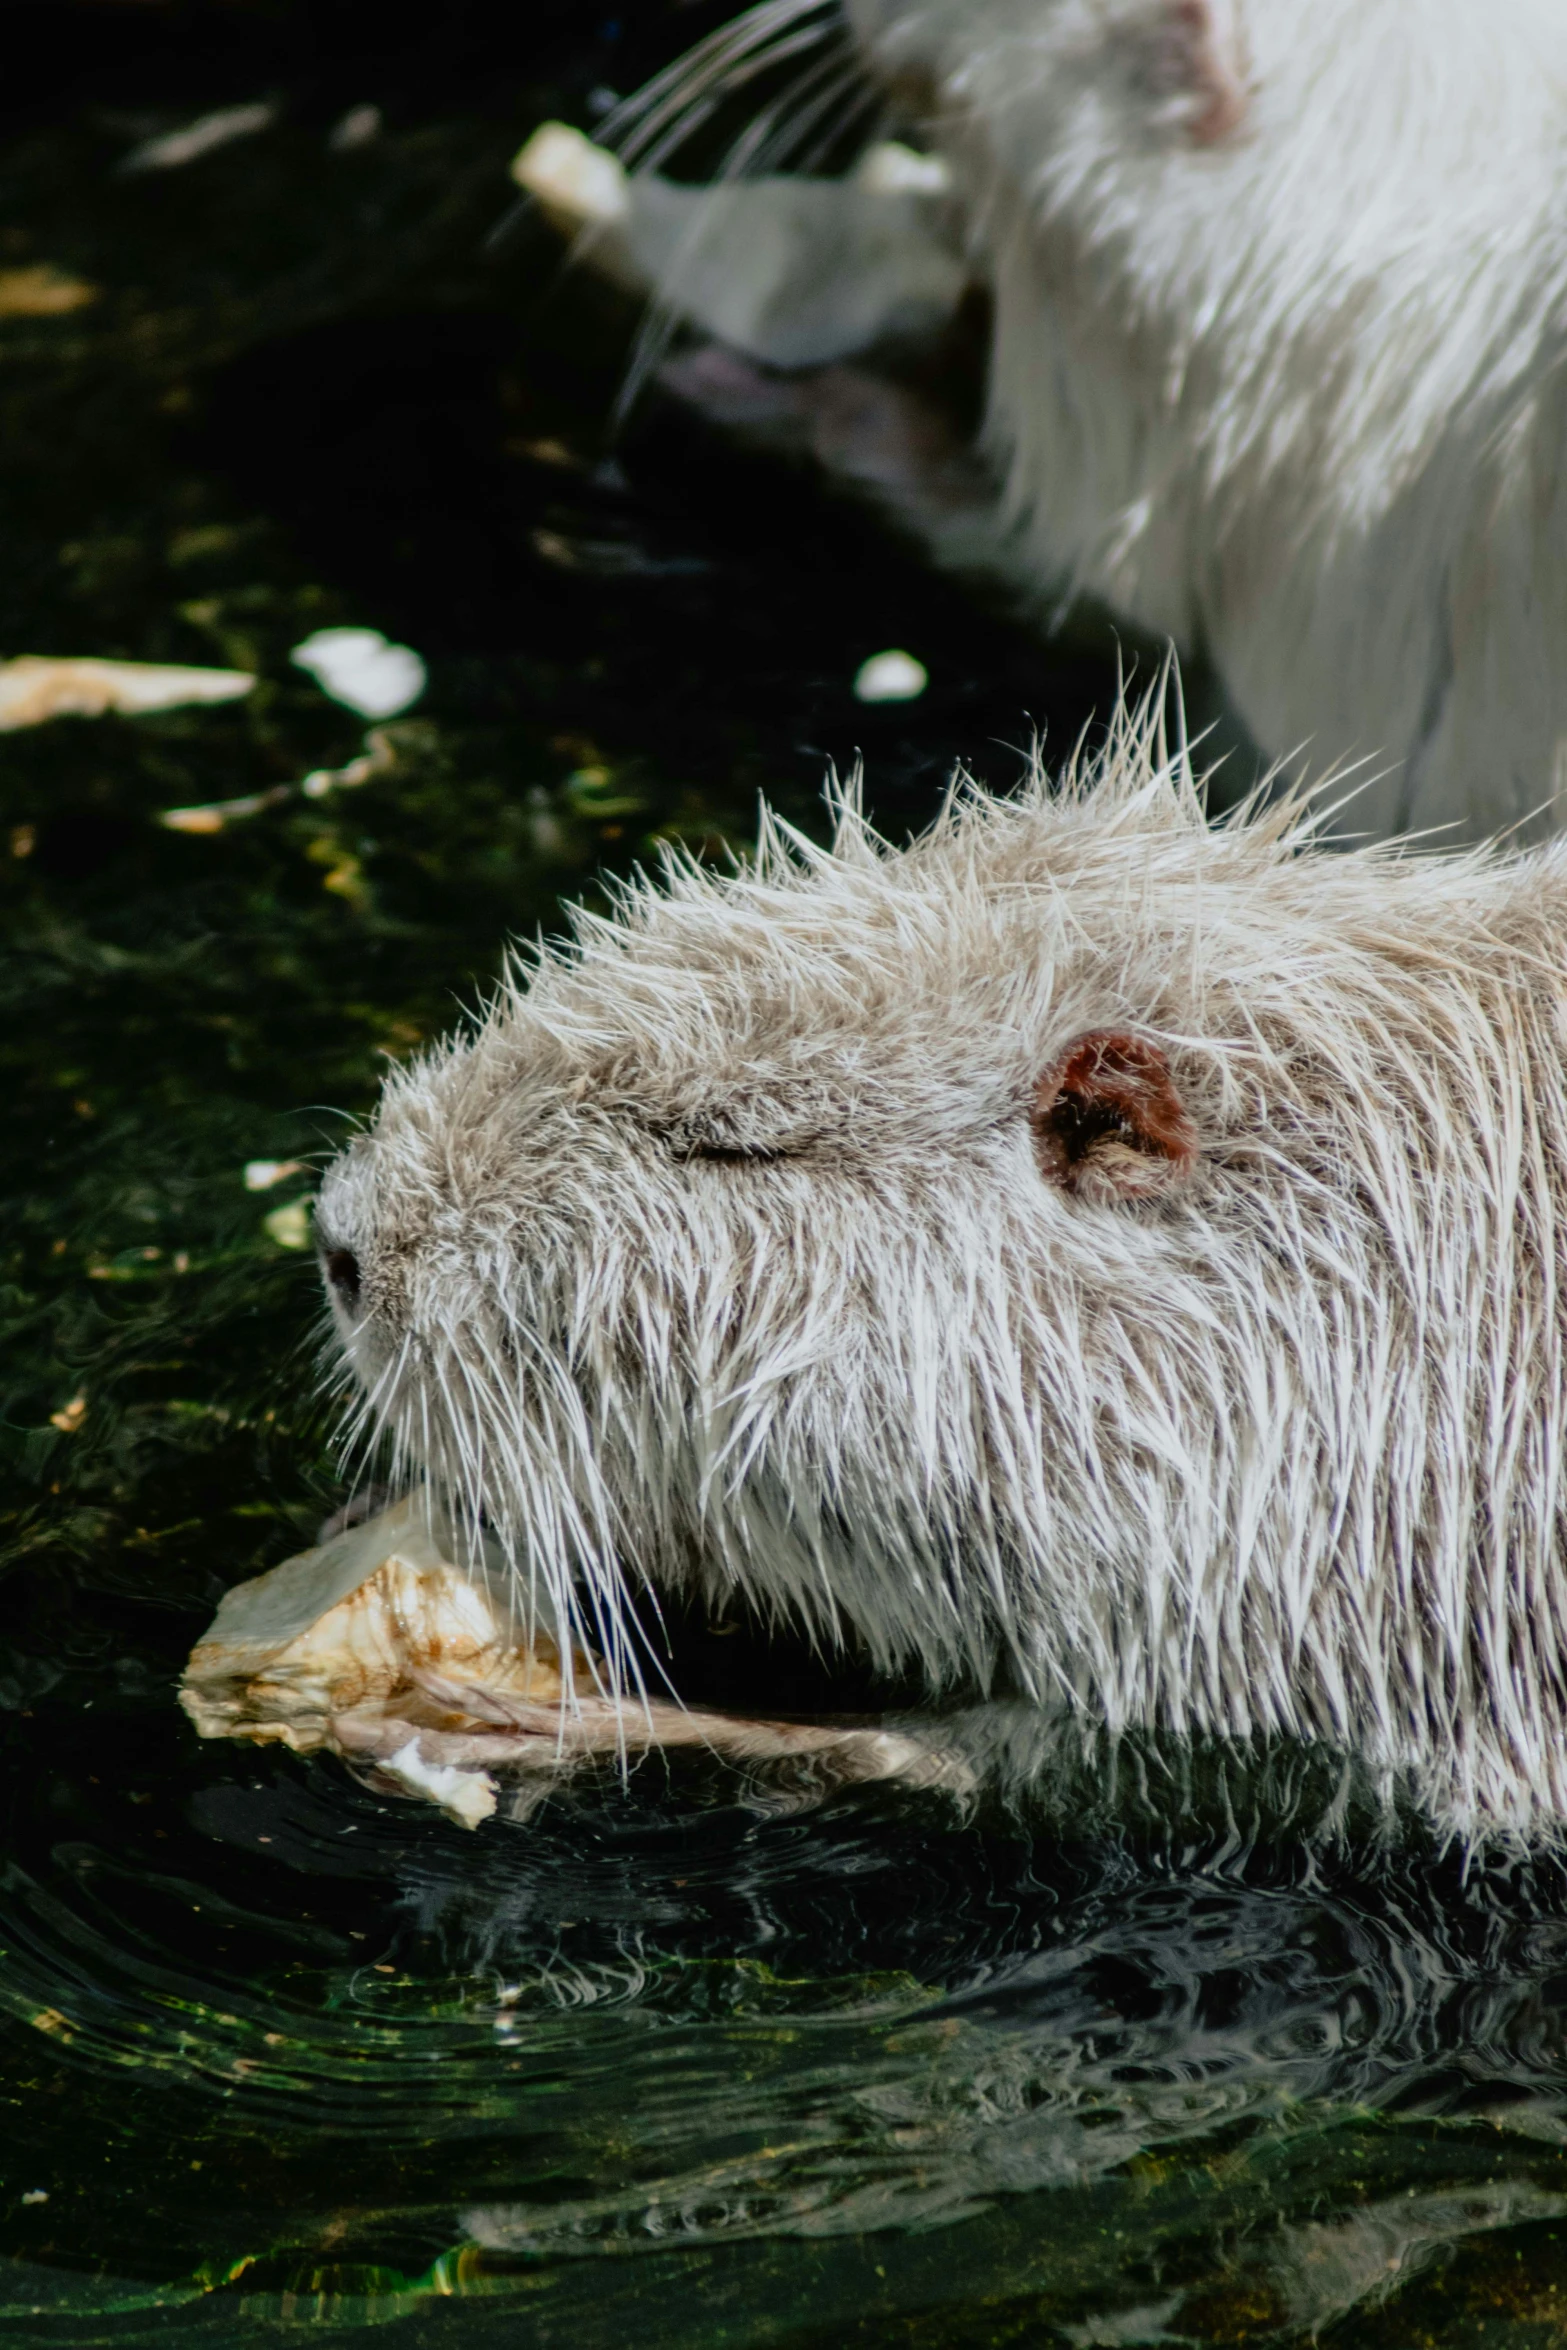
(726, 1154)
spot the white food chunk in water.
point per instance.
(465, 1796)
(361, 669)
(891, 677)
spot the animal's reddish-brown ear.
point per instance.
(1199, 67)
(1108, 1123)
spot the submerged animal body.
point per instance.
(1279, 299)
(1086, 1255)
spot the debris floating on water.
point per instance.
(890, 677)
(361, 669)
(262, 1174)
(376, 758)
(613, 558)
(465, 1796)
(359, 127)
(215, 814)
(175, 148)
(34, 688)
(41, 291)
(289, 1226)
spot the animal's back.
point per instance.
(1279, 298)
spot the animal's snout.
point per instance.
(341, 1267)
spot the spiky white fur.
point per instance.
(1282, 1452)
(1277, 367)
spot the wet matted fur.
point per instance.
(1088, 1254)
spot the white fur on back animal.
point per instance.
(736, 1249)
(1280, 317)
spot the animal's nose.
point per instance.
(342, 1270)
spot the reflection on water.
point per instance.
(1151, 2082)
(1196, 2051)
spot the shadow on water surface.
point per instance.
(1150, 2065)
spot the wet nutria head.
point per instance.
(1086, 1252)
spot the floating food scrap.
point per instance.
(262, 1174)
(198, 138)
(359, 127)
(210, 816)
(360, 669)
(41, 291)
(215, 814)
(33, 688)
(612, 558)
(289, 1226)
(890, 677)
(374, 1646)
(377, 758)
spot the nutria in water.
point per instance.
(1278, 297)
(1087, 1254)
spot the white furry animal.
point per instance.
(1089, 1254)
(1280, 316)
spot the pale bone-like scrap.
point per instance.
(34, 688)
(374, 1646)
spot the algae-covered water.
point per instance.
(656, 2066)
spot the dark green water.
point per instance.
(653, 2067)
